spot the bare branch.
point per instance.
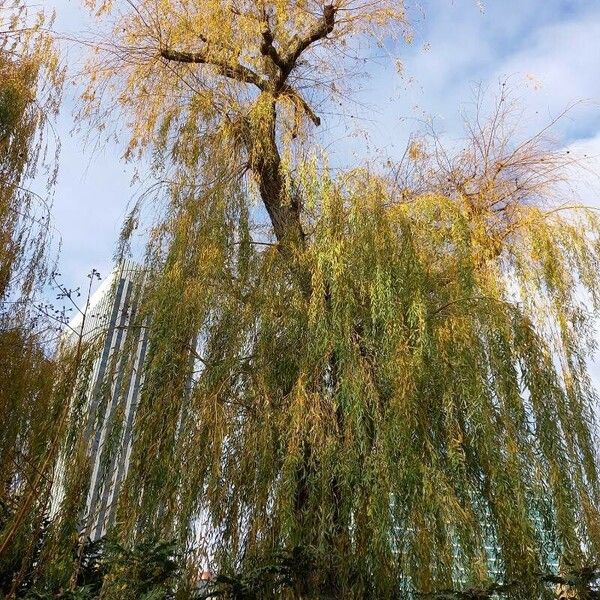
(236, 71)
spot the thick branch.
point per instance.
(235, 71)
(320, 30)
(267, 48)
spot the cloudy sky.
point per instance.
(549, 50)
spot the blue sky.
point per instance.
(549, 50)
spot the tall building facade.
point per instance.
(112, 392)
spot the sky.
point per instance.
(549, 51)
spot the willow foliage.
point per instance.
(30, 85)
(30, 82)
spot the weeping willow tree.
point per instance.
(30, 81)
(356, 386)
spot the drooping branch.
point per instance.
(301, 103)
(235, 71)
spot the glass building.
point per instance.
(119, 344)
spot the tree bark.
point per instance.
(265, 164)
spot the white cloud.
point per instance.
(550, 59)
